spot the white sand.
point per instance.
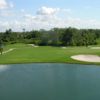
(87, 58)
(9, 50)
(95, 47)
(63, 47)
(33, 45)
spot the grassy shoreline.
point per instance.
(24, 53)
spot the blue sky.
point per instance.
(46, 14)
(80, 8)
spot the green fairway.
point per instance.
(24, 53)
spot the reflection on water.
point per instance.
(3, 68)
(49, 82)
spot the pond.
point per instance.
(49, 82)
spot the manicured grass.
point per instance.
(24, 53)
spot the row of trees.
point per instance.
(55, 37)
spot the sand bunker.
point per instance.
(8, 50)
(95, 47)
(87, 58)
(33, 45)
(63, 47)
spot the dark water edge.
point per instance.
(49, 82)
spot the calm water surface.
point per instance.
(49, 82)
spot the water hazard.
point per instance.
(49, 82)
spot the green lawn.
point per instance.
(24, 53)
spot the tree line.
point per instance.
(54, 37)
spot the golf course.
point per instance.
(25, 53)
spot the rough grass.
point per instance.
(28, 54)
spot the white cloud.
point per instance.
(30, 22)
(4, 4)
(6, 13)
(47, 11)
(46, 18)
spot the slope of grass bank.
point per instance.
(24, 53)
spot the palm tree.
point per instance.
(1, 50)
(1, 47)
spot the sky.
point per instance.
(47, 14)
